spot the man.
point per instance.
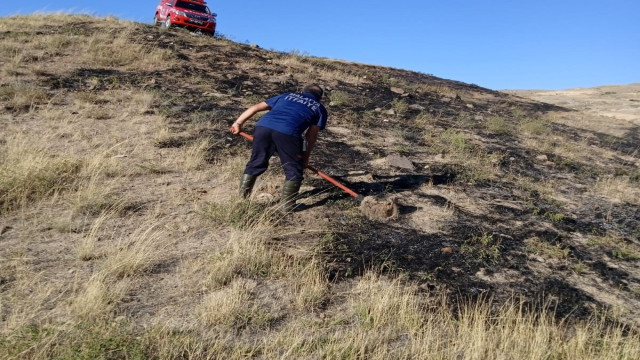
(281, 129)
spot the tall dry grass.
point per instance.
(619, 189)
(28, 172)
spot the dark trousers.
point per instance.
(267, 141)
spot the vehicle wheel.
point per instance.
(167, 23)
(156, 22)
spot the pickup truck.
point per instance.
(192, 14)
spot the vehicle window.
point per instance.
(193, 6)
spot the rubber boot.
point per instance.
(289, 192)
(246, 185)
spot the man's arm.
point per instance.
(311, 136)
(246, 115)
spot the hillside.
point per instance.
(121, 232)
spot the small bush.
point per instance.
(339, 98)
(455, 142)
(482, 247)
(399, 106)
(497, 125)
(535, 126)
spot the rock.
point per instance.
(397, 90)
(446, 99)
(280, 79)
(478, 118)
(379, 209)
(377, 109)
(378, 162)
(470, 106)
(400, 162)
(390, 112)
(542, 158)
(340, 130)
(416, 107)
(446, 250)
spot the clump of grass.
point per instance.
(497, 125)
(136, 253)
(247, 255)
(86, 248)
(424, 119)
(195, 155)
(98, 298)
(22, 96)
(482, 247)
(616, 247)
(232, 307)
(29, 173)
(619, 189)
(22, 302)
(400, 106)
(309, 284)
(339, 98)
(454, 142)
(535, 126)
(381, 304)
(540, 247)
(240, 213)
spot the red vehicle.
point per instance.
(193, 14)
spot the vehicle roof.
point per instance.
(197, 1)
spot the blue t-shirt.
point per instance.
(293, 113)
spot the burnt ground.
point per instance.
(524, 230)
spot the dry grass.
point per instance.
(246, 255)
(99, 50)
(619, 189)
(136, 253)
(28, 172)
(98, 297)
(195, 155)
(616, 247)
(231, 307)
(22, 96)
(87, 247)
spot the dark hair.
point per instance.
(314, 89)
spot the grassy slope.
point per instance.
(519, 221)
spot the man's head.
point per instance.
(314, 89)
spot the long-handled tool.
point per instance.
(322, 175)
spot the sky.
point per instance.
(498, 44)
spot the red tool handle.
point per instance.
(318, 172)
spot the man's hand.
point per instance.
(235, 128)
(252, 110)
